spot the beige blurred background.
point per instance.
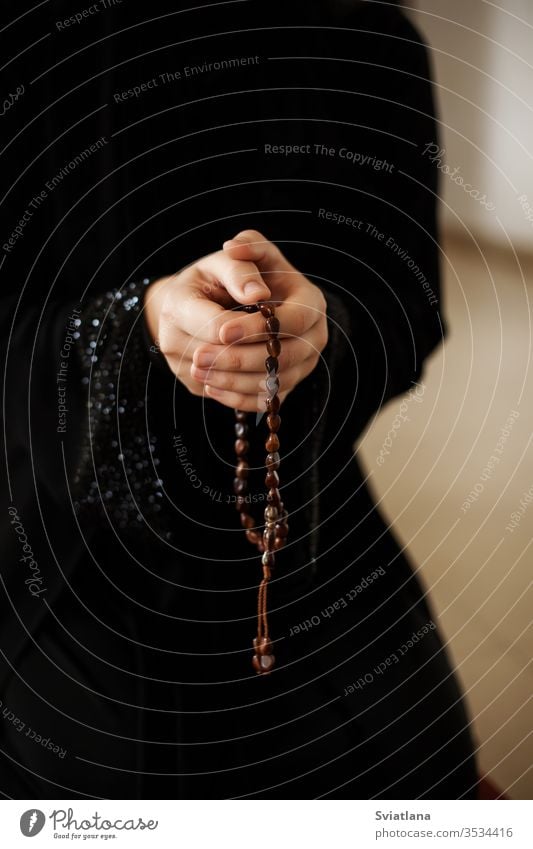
(457, 483)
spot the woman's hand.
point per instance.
(222, 352)
(187, 311)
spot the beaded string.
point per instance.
(276, 529)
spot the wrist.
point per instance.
(153, 302)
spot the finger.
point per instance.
(192, 386)
(174, 343)
(248, 383)
(253, 246)
(241, 278)
(186, 309)
(296, 316)
(286, 282)
(193, 302)
(238, 401)
(251, 357)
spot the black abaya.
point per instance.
(131, 654)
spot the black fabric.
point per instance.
(132, 655)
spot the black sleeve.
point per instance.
(117, 470)
(75, 417)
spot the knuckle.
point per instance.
(167, 316)
(234, 360)
(227, 381)
(194, 389)
(301, 322)
(291, 357)
(212, 332)
(322, 303)
(323, 336)
(165, 342)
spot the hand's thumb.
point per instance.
(240, 278)
(254, 247)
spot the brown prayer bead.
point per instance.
(274, 347)
(282, 530)
(272, 479)
(272, 325)
(275, 530)
(247, 521)
(271, 512)
(272, 461)
(272, 443)
(274, 497)
(240, 486)
(273, 404)
(269, 536)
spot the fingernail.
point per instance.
(229, 243)
(200, 375)
(212, 390)
(254, 289)
(233, 334)
(205, 360)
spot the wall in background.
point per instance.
(483, 63)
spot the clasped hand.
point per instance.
(220, 352)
